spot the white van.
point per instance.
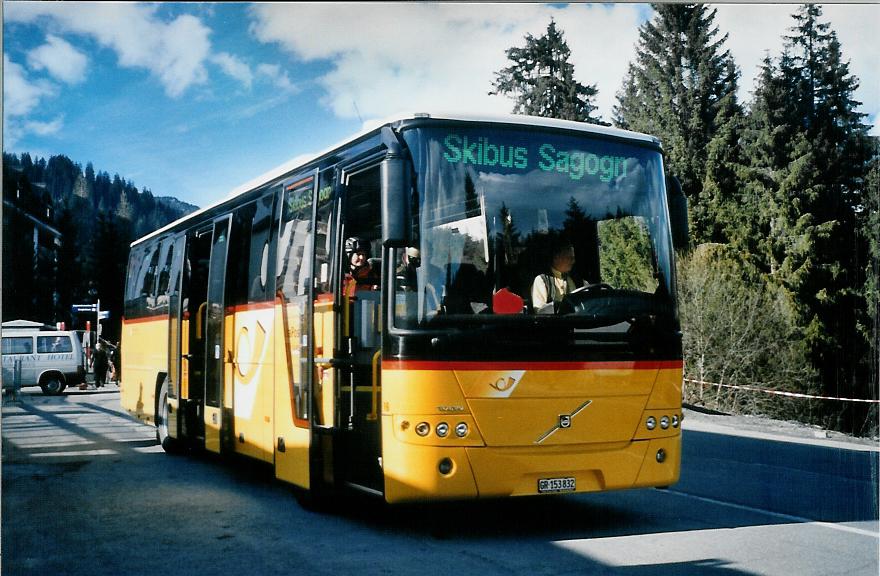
(50, 359)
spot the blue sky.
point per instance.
(192, 100)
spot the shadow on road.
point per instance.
(77, 468)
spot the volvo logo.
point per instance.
(563, 422)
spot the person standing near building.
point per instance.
(101, 364)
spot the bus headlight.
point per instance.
(664, 422)
(675, 421)
(651, 423)
(442, 429)
(461, 429)
(423, 428)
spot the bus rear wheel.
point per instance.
(169, 444)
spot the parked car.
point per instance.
(50, 359)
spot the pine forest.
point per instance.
(66, 232)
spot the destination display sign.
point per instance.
(546, 156)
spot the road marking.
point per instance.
(100, 452)
(788, 517)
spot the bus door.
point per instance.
(360, 337)
(194, 305)
(296, 418)
(175, 332)
(214, 336)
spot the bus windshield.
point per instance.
(497, 212)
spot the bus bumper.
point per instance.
(421, 473)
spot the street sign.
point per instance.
(103, 314)
(84, 308)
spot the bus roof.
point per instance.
(371, 127)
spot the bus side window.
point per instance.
(134, 264)
(324, 233)
(293, 240)
(237, 267)
(133, 300)
(148, 273)
(165, 276)
(259, 263)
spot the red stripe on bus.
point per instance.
(513, 365)
(144, 319)
(250, 306)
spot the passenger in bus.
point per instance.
(549, 288)
(407, 271)
(360, 275)
(407, 278)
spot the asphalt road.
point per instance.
(86, 491)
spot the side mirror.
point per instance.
(395, 199)
(678, 213)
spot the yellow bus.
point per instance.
(520, 336)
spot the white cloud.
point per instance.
(413, 57)
(182, 51)
(234, 67)
(174, 52)
(238, 69)
(44, 128)
(20, 95)
(277, 76)
(392, 57)
(59, 59)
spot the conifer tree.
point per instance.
(123, 210)
(541, 80)
(725, 210)
(90, 177)
(67, 222)
(81, 187)
(681, 88)
(870, 232)
(809, 154)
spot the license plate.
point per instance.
(549, 485)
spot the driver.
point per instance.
(550, 288)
